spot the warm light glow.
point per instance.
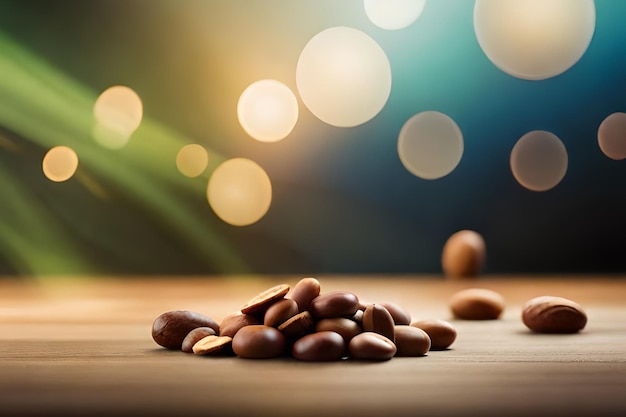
(192, 160)
(612, 136)
(539, 160)
(239, 192)
(118, 112)
(430, 145)
(267, 110)
(393, 14)
(109, 138)
(60, 163)
(534, 39)
(343, 77)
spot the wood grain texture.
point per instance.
(84, 348)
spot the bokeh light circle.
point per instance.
(60, 163)
(192, 160)
(239, 192)
(393, 14)
(534, 39)
(267, 110)
(539, 160)
(118, 112)
(430, 145)
(343, 77)
(612, 136)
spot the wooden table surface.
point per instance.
(83, 347)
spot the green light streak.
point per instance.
(47, 108)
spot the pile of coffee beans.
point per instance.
(307, 325)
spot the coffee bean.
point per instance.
(280, 311)
(304, 292)
(377, 319)
(334, 304)
(235, 321)
(258, 342)
(319, 346)
(477, 304)
(463, 255)
(261, 302)
(400, 316)
(550, 314)
(345, 327)
(442, 334)
(411, 341)
(170, 328)
(193, 337)
(213, 345)
(371, 346)
(297, 326)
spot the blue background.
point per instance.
(342, 201)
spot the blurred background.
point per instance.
(326, 197)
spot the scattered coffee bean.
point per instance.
(304, 292)
(193, 337)
(259, 342)
(261, 302)
(212, 345)
(235, 321)
(442, 334)
(550, 314)
(371, 346)
(319, 346)
(400, 316)
(477, 304)
(463, 255)
(170, 328)
(411, 341)
(377, 319)
(334, 304)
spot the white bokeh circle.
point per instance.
(612, 136)
(539, 160)
(60, 163)
(239, 192)
(267, 110)
(430, 145)
(393, 14)
(343, 77)
(534, 39)
(192, 160)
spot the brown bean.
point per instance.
(213, 345)
(170, 328)
(371, 346)
(477, 304)
(550, 314)
(262, 301)
(345, 327)
(279, 312)
(377, 319)
(258, 342)
(235, 321)
(304, 292)
(463, 255)
(193, 337)
(334, 304)
(411, 341)
(400, 316)
(319, 346)
(442, 334)
(297, 326)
